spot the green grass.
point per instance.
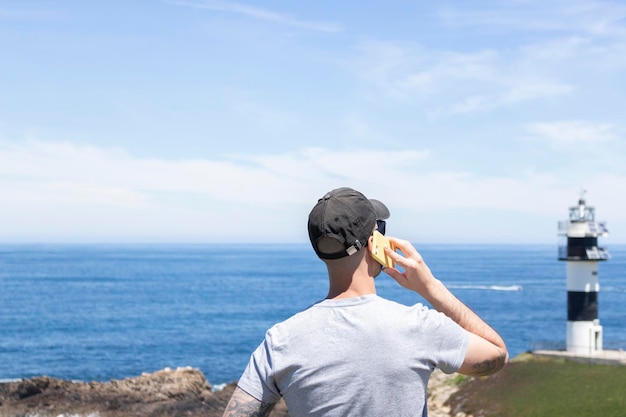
(539, 387)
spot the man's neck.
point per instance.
(349, 283)
(351, 292)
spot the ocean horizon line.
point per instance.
(264, 243)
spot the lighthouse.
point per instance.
(579, 249)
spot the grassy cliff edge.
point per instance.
(532, 386)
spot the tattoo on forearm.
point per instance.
(490, 366)
(243, 405)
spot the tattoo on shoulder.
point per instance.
(243, 405)
(490, 366)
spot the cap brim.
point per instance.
(382, 212)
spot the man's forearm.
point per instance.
(440, 297)
(242, 404)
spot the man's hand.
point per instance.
(416, 276)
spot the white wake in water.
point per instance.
(487, 287)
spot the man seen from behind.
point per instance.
(355, 353)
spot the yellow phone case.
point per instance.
(379, 242)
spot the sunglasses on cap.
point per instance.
(381, 226)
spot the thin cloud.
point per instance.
(581, 146)
(91, 193)
(585, 17)
(448, 82)
(260, 14)
(516, 94)
(572, 132)
(536, 90)
(326, 166)
(113, 176)
(467, 82)
(402, 70)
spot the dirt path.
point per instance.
(440, 388)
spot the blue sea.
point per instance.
(101, 312)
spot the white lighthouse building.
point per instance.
(579, 249)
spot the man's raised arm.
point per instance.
(486, 352)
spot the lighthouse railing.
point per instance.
(589, 253)
(598, 253)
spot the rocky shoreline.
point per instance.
(177, 392)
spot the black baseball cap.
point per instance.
(342, 221)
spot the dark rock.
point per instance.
(180, 392)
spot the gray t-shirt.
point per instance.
(363, 356)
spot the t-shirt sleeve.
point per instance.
(449, 342)
(257, 379)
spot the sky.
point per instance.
(217, 121)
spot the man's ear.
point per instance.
(370, 243)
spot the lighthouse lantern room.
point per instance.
(579, 249)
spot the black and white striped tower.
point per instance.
(579, 249)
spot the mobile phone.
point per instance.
(379, 242)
